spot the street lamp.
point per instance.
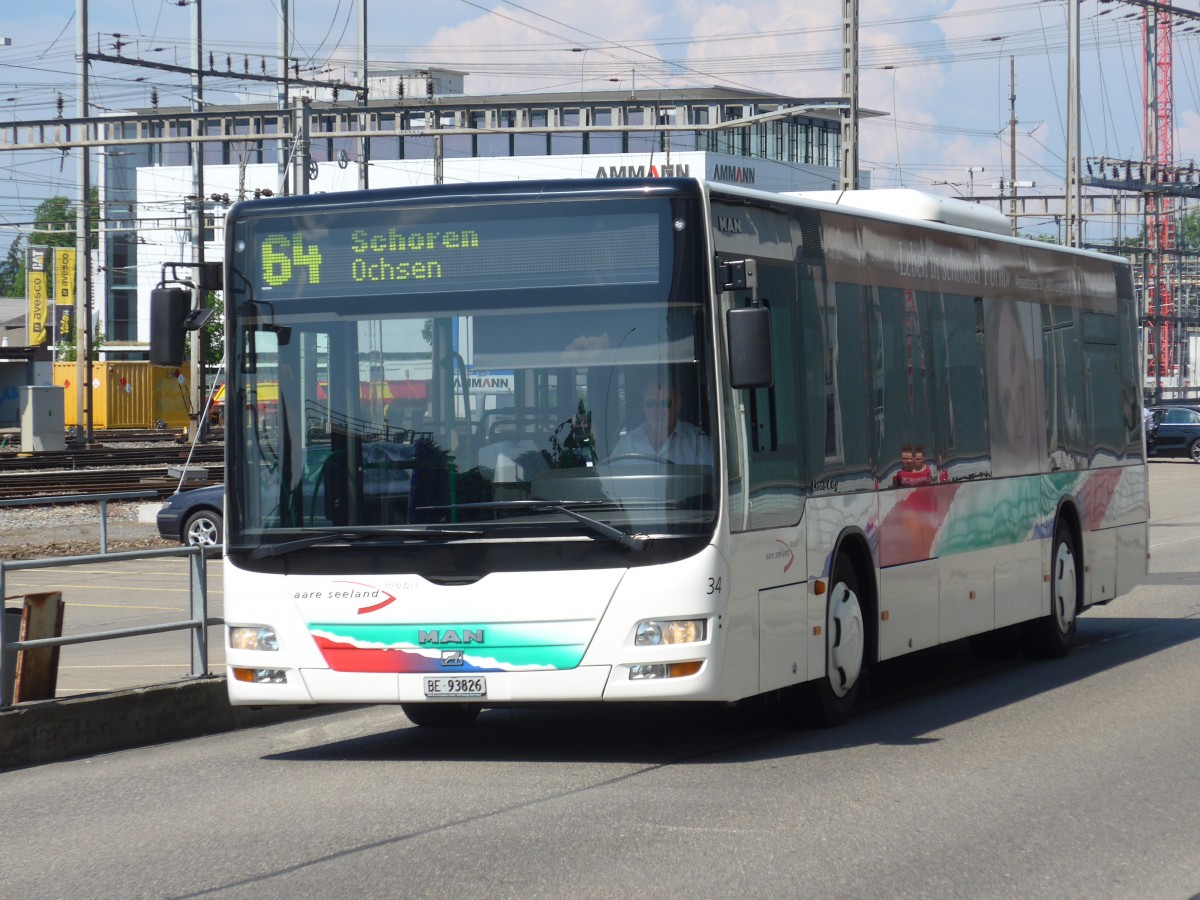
(582, 64)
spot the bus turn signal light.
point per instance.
(648, 671)
(260, 676)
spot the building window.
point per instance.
(418, 147)
(604, 141)
(535, 144)
(640, 141)
(567, 142)
(458, 146)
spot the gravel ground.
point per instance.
(73, 529)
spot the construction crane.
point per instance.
(1159, 92)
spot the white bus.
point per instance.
(751, 444)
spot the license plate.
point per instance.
(455, 686)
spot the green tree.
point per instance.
(55, 227)
(213, 341)
(1187, 235)
(55, 218)
(12, 270)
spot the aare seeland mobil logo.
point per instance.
(359, 592)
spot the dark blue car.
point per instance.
(194, 517)
(1173, 431)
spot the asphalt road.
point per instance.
(1074, 778)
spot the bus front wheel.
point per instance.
(832, 698)
(1051, 637)
(441, 715)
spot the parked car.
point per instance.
(194, 517)
(1173, 431)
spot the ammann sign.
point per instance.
(650, 171)
(733, 174)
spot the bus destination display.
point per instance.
(357, 253)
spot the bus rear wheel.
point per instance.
(1051, 637)
(832, 698)
(441, 715)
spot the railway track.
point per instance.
(97, 481)
(102, 470)
(109, 457)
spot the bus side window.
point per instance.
(776, 451)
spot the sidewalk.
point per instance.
(52, 730)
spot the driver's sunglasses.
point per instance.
(655, 404)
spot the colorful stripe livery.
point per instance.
(454, 647)
(943, 520)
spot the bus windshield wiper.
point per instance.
(624, 538)
(358, 533)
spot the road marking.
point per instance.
(1175, 541)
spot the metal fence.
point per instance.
(197, 622)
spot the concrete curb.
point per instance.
(51, 730)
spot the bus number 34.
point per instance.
(714, 585)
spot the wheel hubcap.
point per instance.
(846, 639)
(1064, 587)
(204, 533)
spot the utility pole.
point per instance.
(849, 114)
(83, 261)
(282, 100)
(1074, 187)
(302, 154)
(364, 152)
(1012, 139)
(196, 337)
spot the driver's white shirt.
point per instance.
(687, 445)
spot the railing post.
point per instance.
(198, 596)
(103, 525)
(5, 687)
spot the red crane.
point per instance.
(1160, 222)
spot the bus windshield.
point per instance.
(417, 373)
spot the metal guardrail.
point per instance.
(102, 499)
(197, 623)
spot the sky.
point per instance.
(937, 69)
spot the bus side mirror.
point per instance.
(749, 331)
(169, 308)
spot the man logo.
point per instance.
(449, 636)
(452, 657)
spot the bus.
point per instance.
(743, 444)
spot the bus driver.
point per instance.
(663, 435)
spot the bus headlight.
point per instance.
(678, 631)
(253, 637)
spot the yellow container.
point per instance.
(128, 395)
